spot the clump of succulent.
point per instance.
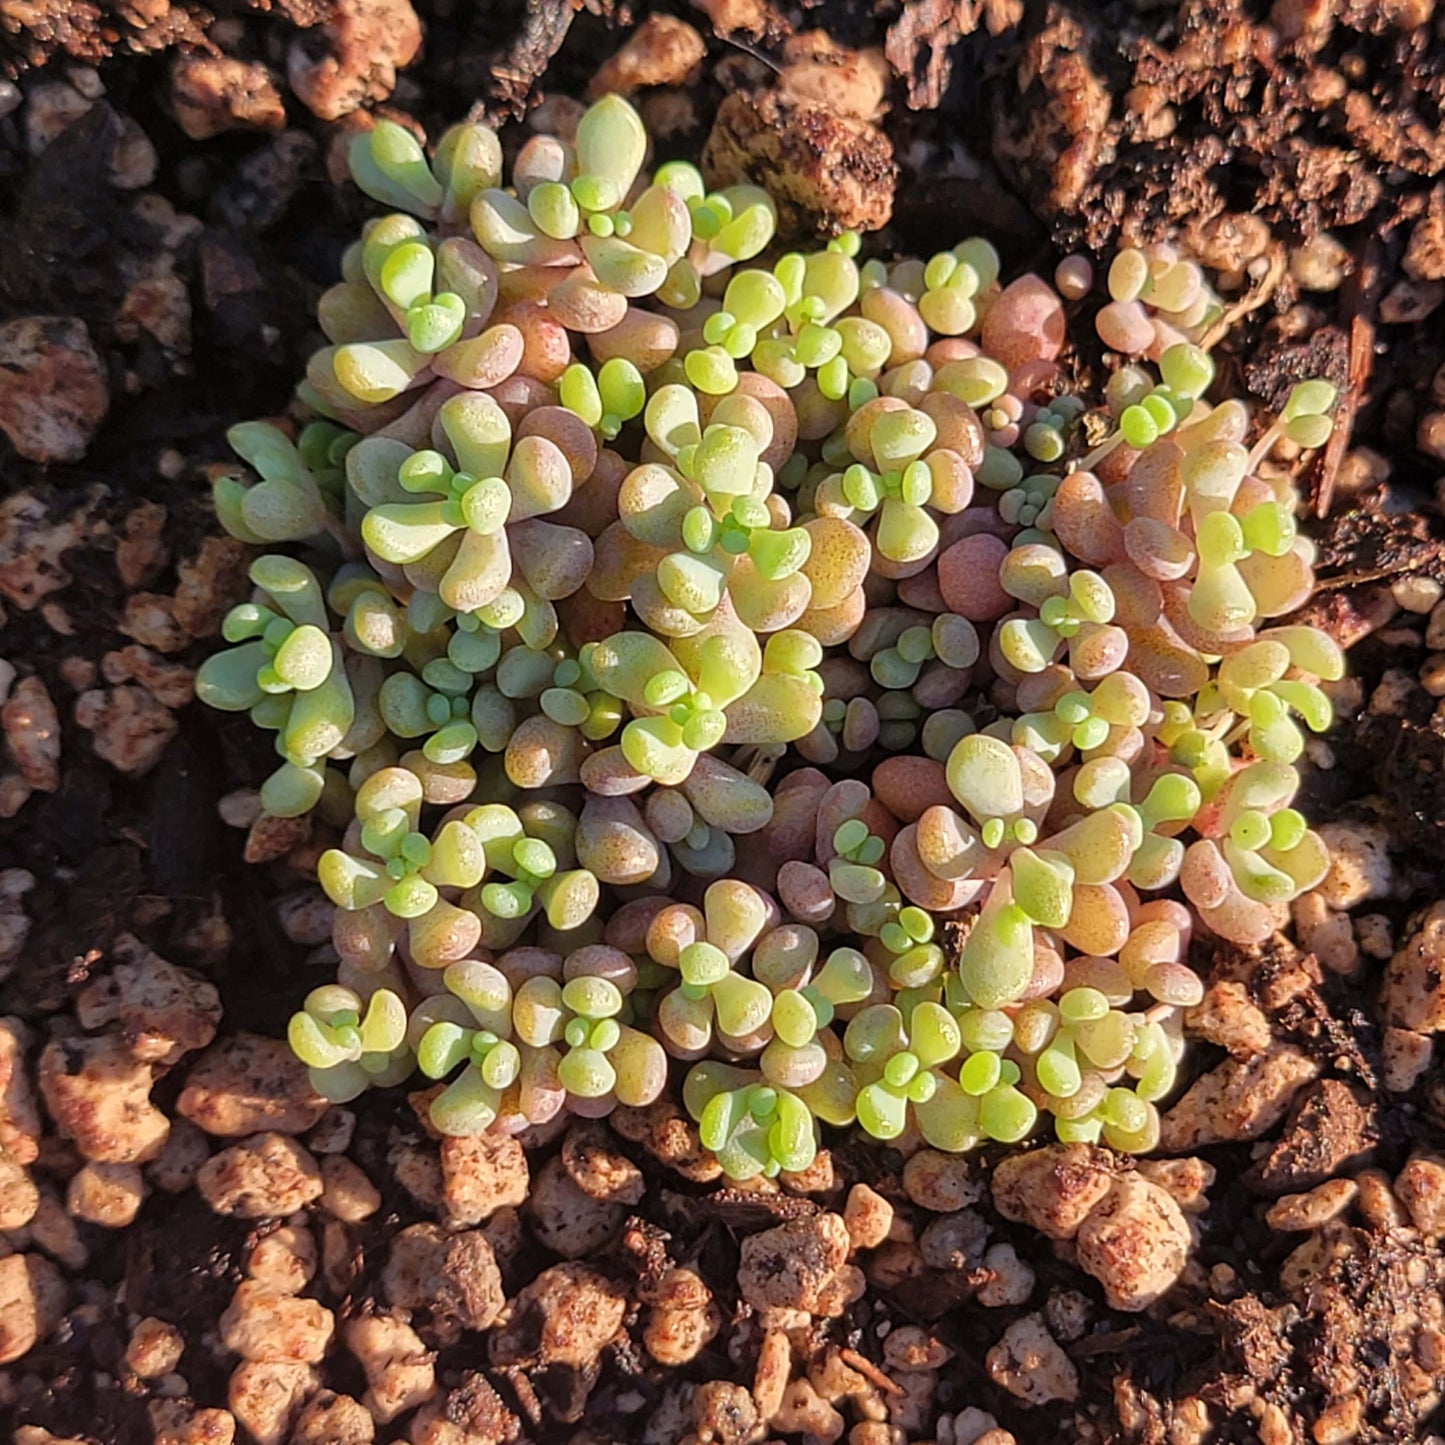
(767, 674)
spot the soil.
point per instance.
(195, 265)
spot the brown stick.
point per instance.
(866, 1367)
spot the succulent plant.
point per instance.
(637, 552)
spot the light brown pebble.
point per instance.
(1010, 1280)
(179, 1422)
(331, 1419)
(109, 1195)
(1237, 1100)
(399, 1368)
(910, 1347)
(267, 1174)
(1313, 1208)
(472, 1414)
(154, 1348)
(1406, 1056)
(284, 1260)
(597, 1167)
(563, 1317)
(455, 1276)
(1413, 996)
(164, 1011)
(334, 1133)
(174, 1169)
(567, 1221)
(19, 1198)
(1053, 1189)
(267, 1396)
(99, 1096)
(1378, 1206)
(792, 1266)
(57, 1233)
(868, 1217)
(1135, 1242)
(805, 1412)
(1420, 1187)
(265, 1324)
(347, 1194)
(482, 1175)
(246, 1083)
(1028, 1363)
(32, 1301)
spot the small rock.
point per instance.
(1135, 1242)
(826, 171)
(131, 728)
(663, 50)
(154, 1348)
(264, 1324)
(109, 1195)
(349, 1195)
(267, 1396)
(1331, 1131)
(792, 1266)
(682, 1319)
(1226, 1016)
(1420, 1187)
(567, 1221)
(164, 1011)
(215, 93)
(1404, 1058)
(56, 394)
(210, 584)
(597, 1168)
(472, 1414)
(263, 1176)
(19, 1108)
(1186, 1181)
(332, 1419)
(353, 59)
(15, 883)
(1010, 1281)
(1053, 1189)
(670, 1137)
(455, 1276)
(868, 1217)
(140, 550)
(149, 619)
(32, 732)
(32, 1301)
(285, 1260)
(19, 1198)
(1311, 1210)
(481, 1175)
(99, 1096)
(1414, 993)
(51, 108)
(940, 1182)
(33, 544)
(246, 1083)
(179, 1422)
(566, 1316)
(57, 1233)
(1237, 1100)
(398, 1366)
(1029, 1364)
(1360, 865)
(174, 1169)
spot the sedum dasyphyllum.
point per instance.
(767, 674)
